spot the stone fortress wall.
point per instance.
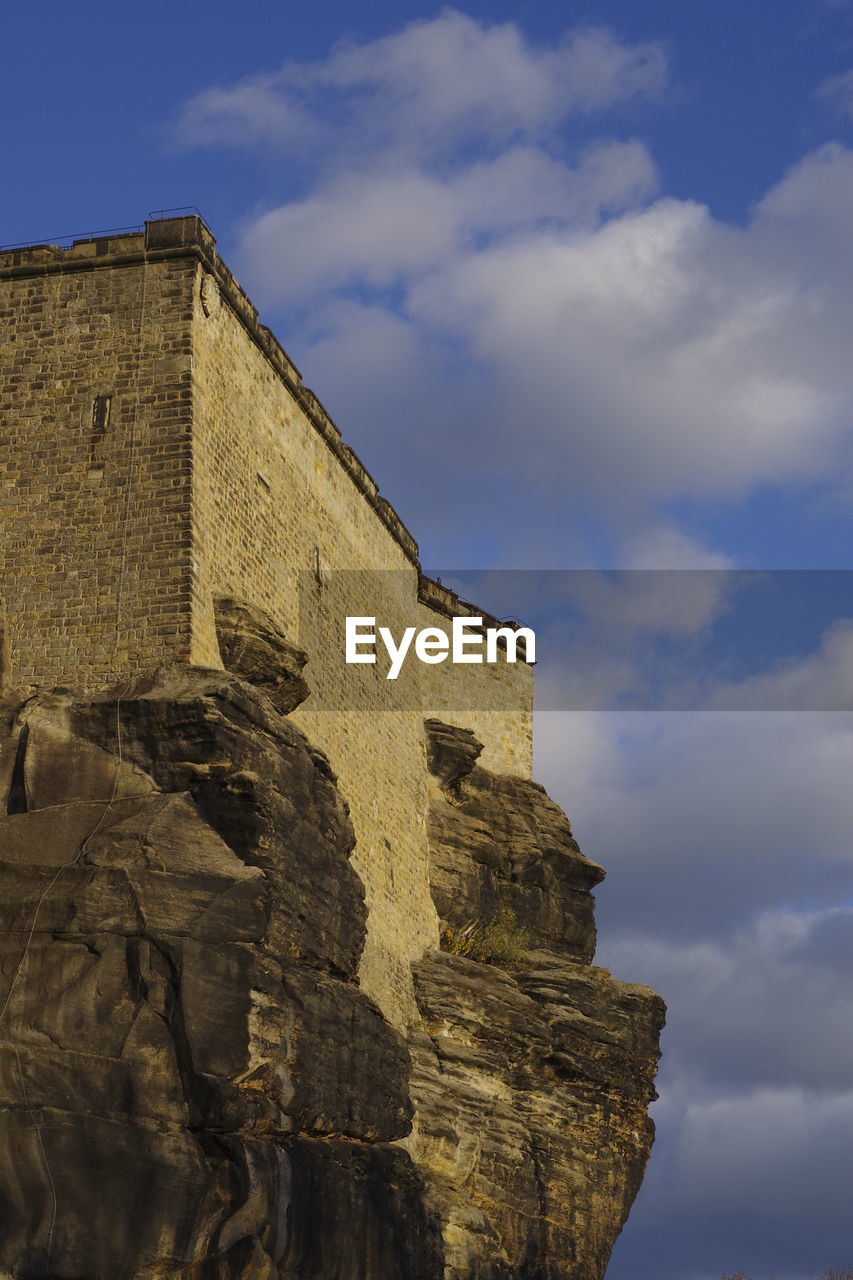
(74, 527)
(159, 450)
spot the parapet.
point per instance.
(161, 239)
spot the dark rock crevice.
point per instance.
(17, 798)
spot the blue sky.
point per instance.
(575, 281)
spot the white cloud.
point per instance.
(662, 353)
(641, 355)
(367, 340)
(251, 112)
(374, 231)
(638, 347)
(443, 73)
(382, 228)
(665, 546)
(427, 86)
(702, 821)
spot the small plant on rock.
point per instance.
(501, 941)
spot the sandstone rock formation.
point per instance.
(253, 647)
(192, 1084)
(531, 1085)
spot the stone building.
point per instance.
(233, 1044)
(160, 453)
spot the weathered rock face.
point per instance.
(531, 1086)
(253, 647)
(192, 1084)
(499, 842)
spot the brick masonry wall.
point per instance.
(496, 701)
(68, 336)
(280, 523)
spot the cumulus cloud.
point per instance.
(789, 1153)
(715, 830)
(381, 228)
(644, 354)
(628, 640)
(661, 352)
(715, 639)
(642, 349)
(712, 827)
(426, 87)
(658, 601)
(752, 1182)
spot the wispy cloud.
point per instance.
(426, 88)
(704, 819)
(839, 91)
(822, 681)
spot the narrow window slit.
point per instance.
(100, 423)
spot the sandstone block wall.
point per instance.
(159, 450)
(495, 700)
(73, 538)
(278, 520)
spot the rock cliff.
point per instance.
(532, 1069)
(192, 1084)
